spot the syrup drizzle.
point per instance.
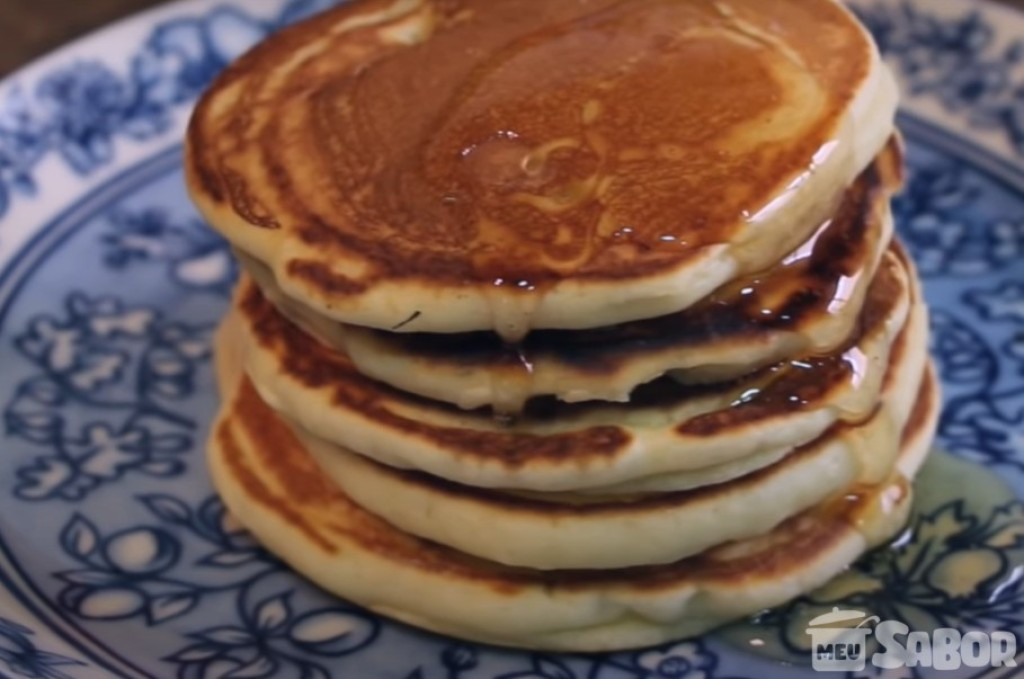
(956, 567)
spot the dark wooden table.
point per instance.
(30, 28)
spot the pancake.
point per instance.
(678, 146)
(908, 359)
(666, 428)
(276, 490)
(554, 532)
(809, 303)
(558, 530)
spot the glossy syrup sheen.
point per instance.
(809, 302)
(514, 142)
(960, 547)
(813, 281)
(776, 392)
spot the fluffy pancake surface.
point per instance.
(808, 303)
(687, 144)
(684, 232)
(268, 480)
(566, 530)
(666, 429)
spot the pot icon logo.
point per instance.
(837, 645)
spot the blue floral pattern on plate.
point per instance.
(103, 357)
(957, 60)
(106, 391)
(78, 111)
(19, 653)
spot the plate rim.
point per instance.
(15, 274)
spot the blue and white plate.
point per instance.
(116, 558)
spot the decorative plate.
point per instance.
(116, 559)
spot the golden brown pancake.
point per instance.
(809, 303)
(270, 483)
(667, 428)
(558, 530)
(420, 165)
(623, 527)
(472, 223)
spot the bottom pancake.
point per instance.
(589, 532)
(269, 481)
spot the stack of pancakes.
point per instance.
(572, 325)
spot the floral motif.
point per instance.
(196, 257)
(938, 221)
(1015, 349)
(182, 57)
(543, 667)
(459, 658)
(956, 61)
(23, 143)
(981, 421)
(137, 573)
(127, 574)
(104, 357)
(20, 655)
(81, 110)
(110, 379)
(270, 639)
(687, 660)
(951, 568)
(85, 106)
(1003, 304)
(964, 358)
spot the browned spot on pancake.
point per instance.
(323, 277)
(897, 356)
(806, 383)
(254, 488)
(319, 367)
(792, 386)
(813, 284)
(782, 389)
(798, 540)
(321, 511)
(637, 152)
(598, 507)
(245, 203)
(901, 347)
(299, 480)
(891, 165)
(902, 256)
(795, 541)
(198, 161)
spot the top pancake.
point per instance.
(809, 303)
(420, 166)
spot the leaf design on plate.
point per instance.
(164, 608)
(80, 537)
(228, 636)
(230, 559)
(273, 613)
(167, 508)
(261, 666)
(333, 633)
